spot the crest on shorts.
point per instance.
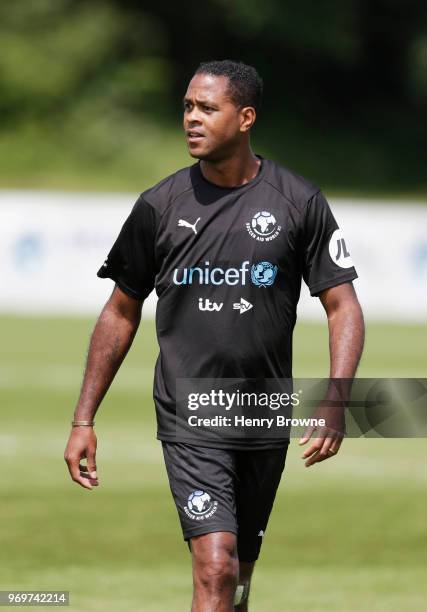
(200, 505)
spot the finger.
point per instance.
(313, 448)
(317, 454)
(326, 451)
(84, 473)
(315, 457)
(91, 462)
(336, 445)
(73, 468)
(335, 440)
(323, 453)
(307, 434)
(92, 481)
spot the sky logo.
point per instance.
(262, 274)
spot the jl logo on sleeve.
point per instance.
(338, 250)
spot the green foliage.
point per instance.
(327, 28)
(59, 54)
(418, 69)
(90, 92)
(80, 89)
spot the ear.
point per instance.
(247, 118)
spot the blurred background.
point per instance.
(91, 92)
(90, 100)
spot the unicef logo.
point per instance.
(263, 274)
(199, 502)
(263, 226)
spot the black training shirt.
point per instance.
(226, 264)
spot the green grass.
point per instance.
(345, 535)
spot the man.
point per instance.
(225, 243)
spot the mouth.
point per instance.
(193, 136)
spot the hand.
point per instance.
(82, 444)
(330, 436)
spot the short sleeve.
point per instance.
(325, 251)
(131, 261)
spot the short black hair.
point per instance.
(244, 83)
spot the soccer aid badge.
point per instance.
(338, 250)
(263, 226)
(200, 506)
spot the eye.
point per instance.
(187, 106)
(208, 109)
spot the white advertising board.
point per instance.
(52, 244)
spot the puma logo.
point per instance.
(184, 223)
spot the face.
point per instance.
(213, 124)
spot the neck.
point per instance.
(234, 171)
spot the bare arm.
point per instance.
(346, 339)
(346, 329)
(111, 339)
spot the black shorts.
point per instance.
(224, 490)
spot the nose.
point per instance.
(192, 117)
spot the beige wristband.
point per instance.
(82, 423)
